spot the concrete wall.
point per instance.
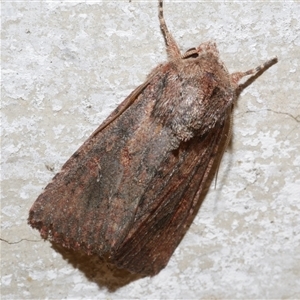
(66, 66)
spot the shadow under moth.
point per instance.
(130, 190)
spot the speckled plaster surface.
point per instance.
(66, 66)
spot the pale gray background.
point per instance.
(66, 65)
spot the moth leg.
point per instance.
(172, 48)
(256, 72)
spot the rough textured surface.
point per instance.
(65, 66)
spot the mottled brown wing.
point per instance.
(128, 187)
(81, 207)
(161, 222)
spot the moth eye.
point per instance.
(191, 53)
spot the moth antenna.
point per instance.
(256, 72)
(263, 67)
(171, 46)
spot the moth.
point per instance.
(130, 190)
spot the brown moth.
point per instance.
(129, 191)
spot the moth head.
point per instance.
(208, 47)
